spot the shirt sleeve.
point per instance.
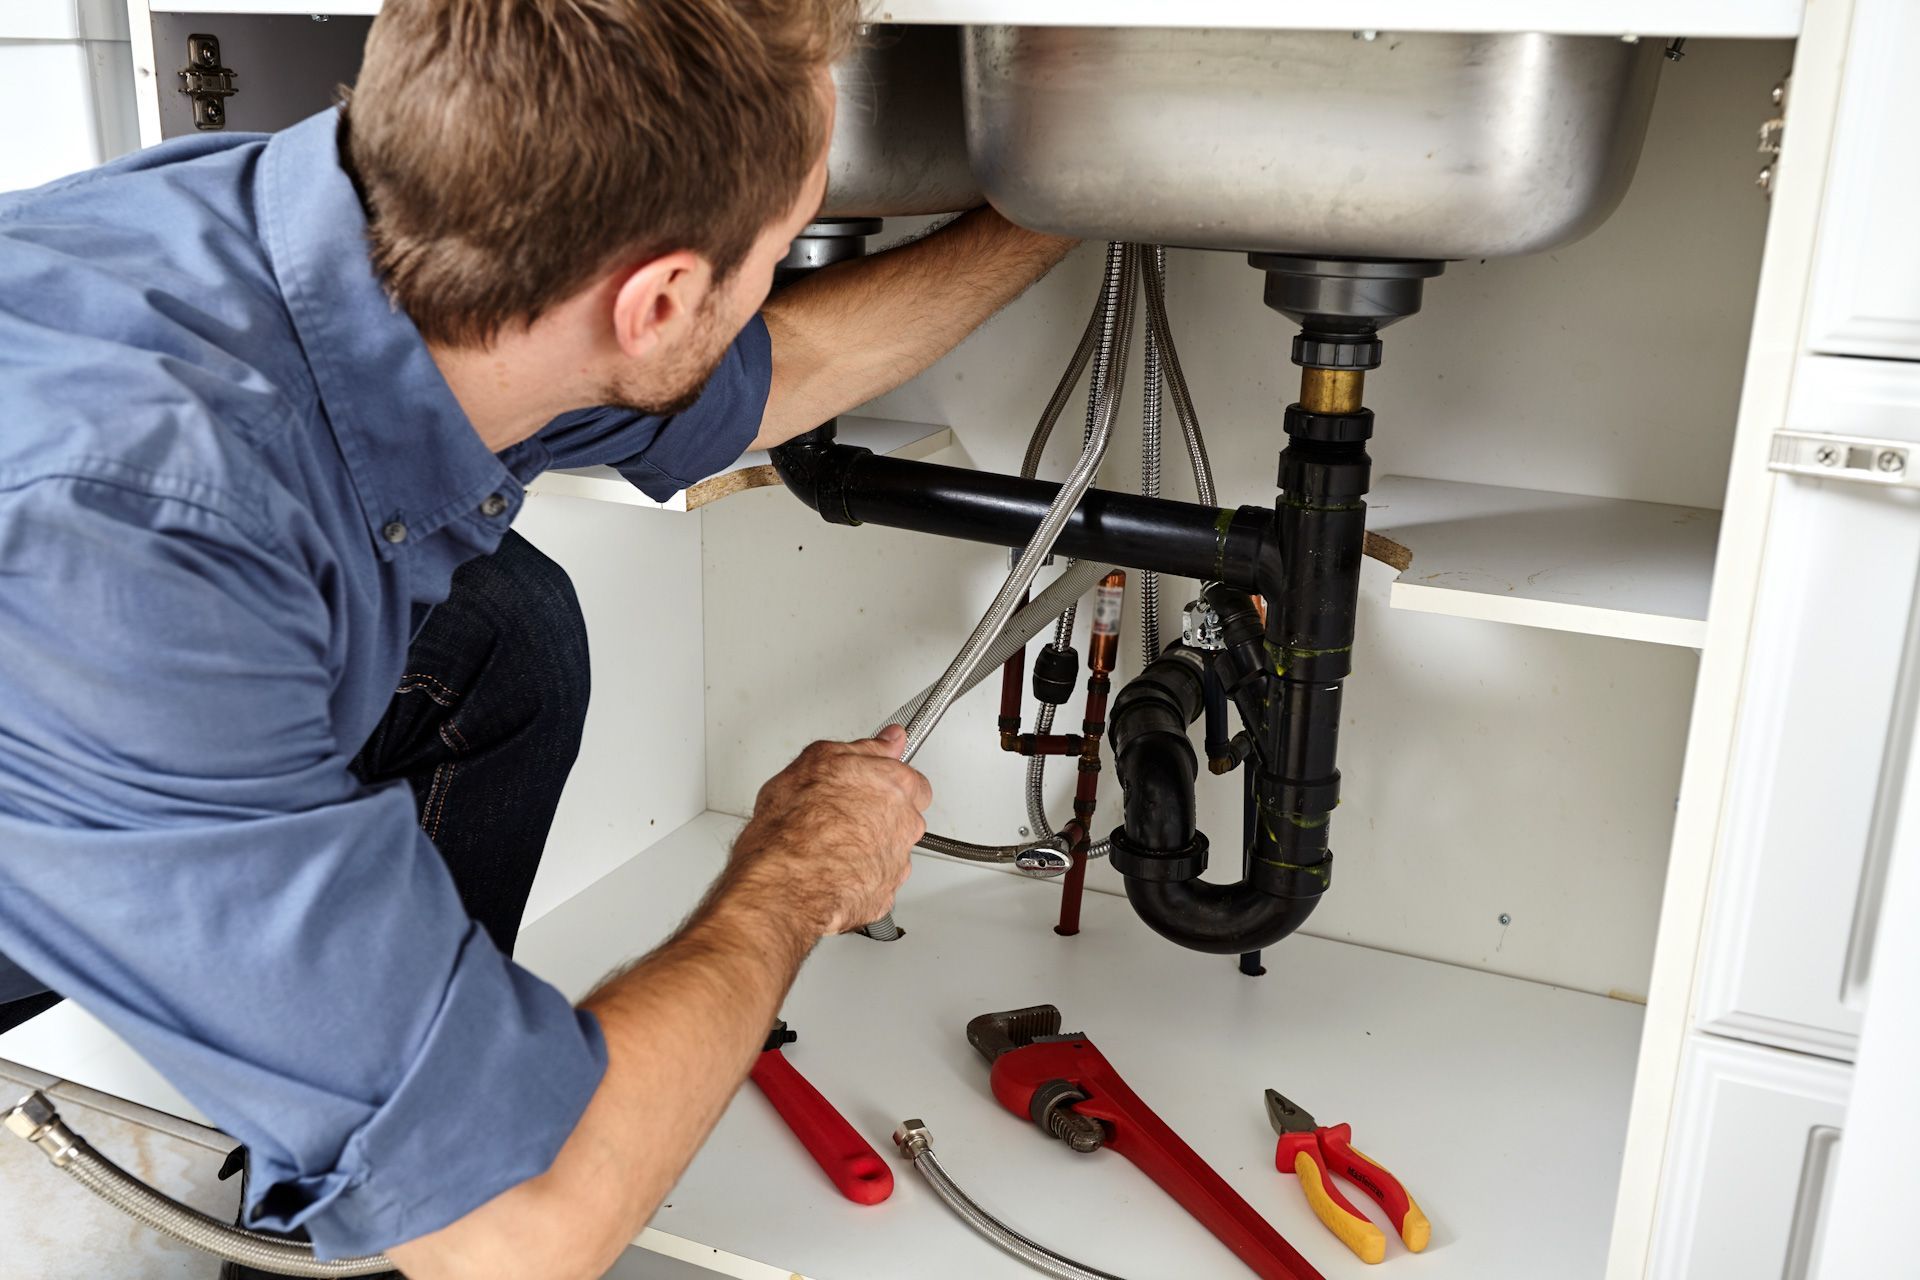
(184, 852)
(663, 455)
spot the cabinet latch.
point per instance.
(1805, 453)
(206, 82)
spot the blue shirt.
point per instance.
(213, 423)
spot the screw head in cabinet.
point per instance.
(1826, 455)
(1505, 918)
(1891, 460)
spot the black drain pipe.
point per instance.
(847, 484)
(1286, 683)
(1290, 694)
(1158, 848)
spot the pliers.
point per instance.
(1309, 1151)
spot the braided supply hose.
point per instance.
(1150, 474)
(35, 1120)
(916, 1143)
(1176, 379)
(951, 682)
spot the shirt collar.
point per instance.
(415, 460)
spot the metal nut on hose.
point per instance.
(34, 1119)
(30, 1115)
(913, 1138)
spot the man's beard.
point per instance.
(684, 390)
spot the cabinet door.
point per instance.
(1865, 1230)
(1866, 293)
(1755, 1136)
(1825, 715)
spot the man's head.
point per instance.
(635, 165)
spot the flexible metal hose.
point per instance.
(1090, 341)
(1150, 470)
(1044, 857)
(1078, 481)
(917, 1142)
(1112, 334)
(949, 686)
(35, 1120)
(1176, 379)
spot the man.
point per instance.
(267, 404)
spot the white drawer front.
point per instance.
(1866, 294)
(1803, 838)
(1755, 1134)
(1826, 718)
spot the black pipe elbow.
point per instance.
(1154, 760)
(815, 468)
(1158, 848)
(1220, 919)
(1157, 808)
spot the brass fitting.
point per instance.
(1331, 390)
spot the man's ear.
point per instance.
(657, 300)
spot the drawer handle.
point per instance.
(1816, 1175)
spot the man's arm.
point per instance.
(825, 851)
(849, 332)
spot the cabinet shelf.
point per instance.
(1600, 566)
(911, 440)
(1404, 1049)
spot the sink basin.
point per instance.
(899, 136)
(1322, 143)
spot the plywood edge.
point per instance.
(1380, 547)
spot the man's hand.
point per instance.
(825, 851)
(832, 831)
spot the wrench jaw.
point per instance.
(1042, 1074)
(997, 1034)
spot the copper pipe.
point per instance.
(1074, 884)
(1104, 645)
(1042, 744)
(1013, 680)
(1086, 793)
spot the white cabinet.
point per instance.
(1750, 1163)
(1824, 719)
(1803, 840)
(1866, 299)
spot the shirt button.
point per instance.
(394, 532)
(494, 505)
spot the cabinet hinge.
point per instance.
(1805, 453)
(206, 82)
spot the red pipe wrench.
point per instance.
(836, 1146)
(1067, 1087)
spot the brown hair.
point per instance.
(509, 150)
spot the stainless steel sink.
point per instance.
(1404, 146)
(899, 137)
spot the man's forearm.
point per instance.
(682, 1027)
(847, 333)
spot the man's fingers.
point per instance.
(885, 743)
(922, 790)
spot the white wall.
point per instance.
(1488, 769)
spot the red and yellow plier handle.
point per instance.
(1313, 1152)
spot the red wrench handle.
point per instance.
(1147, 1140)
(836, 1146)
